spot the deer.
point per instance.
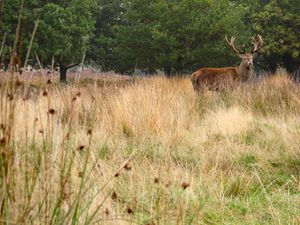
(15, 63)
(214, 78)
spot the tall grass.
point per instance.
(151, 152)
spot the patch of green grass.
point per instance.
(282, 175)
(248, 160)
(186, 159)
(127, 130)
(249, 139)
(103, 151)
(212, 218)
(294, 164)
(261, 208)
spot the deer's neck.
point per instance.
(244, 71)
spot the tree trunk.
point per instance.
(168, 71)
(63, 73)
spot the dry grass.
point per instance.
(151, 152)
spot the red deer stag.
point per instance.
(15, 63)
(214, 78)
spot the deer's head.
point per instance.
(247, 58)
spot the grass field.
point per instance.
(149, 151)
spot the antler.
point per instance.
(257, 44)
(232, 45)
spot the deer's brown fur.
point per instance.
(214, 78)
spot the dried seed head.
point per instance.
(127, 167)
(49, 81)
(117, 174)
(185, 185)
(80, 174)
(18, 83)
(114, 196)
(41, 131)
(81, 147)
(10, 97)
(156, 180)
(89, 132)
(129, 210)
(45, 93)
(2, 141)
(68, 135)
(78, 94)
(2, 126)
(107, 212)
(52, 111)
(74, 99)
(65, 196)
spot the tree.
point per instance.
(107, 14)
(64, 32)
(176, 36)
(64, 29)
(8, 22)
(279, 23)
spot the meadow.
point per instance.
(149, 151)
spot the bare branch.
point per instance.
(17, 34)
(31, 41)
(71, 66)
(3, 43)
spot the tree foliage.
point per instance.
(107, 14)
(175, 36)
(63, 33)
(68, 25)
(279, 22)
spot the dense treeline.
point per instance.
(175, 36)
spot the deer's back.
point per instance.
(213, 77)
